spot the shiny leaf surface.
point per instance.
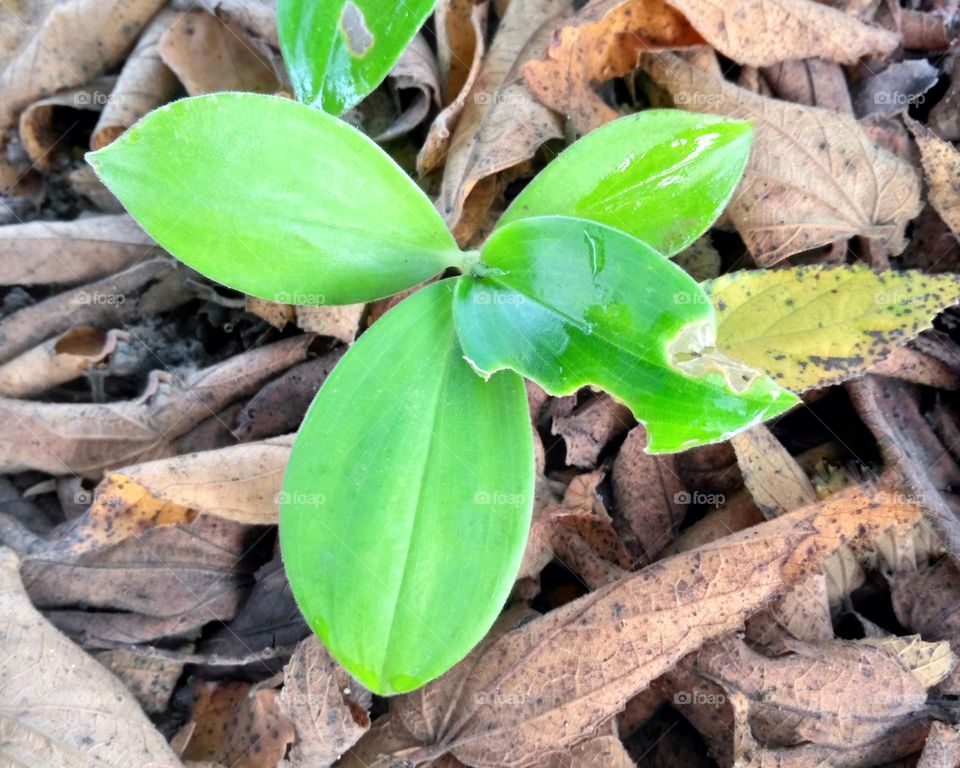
(660, 175)
(275, 199)
(407, 499)
(568, 302)
(337, 52)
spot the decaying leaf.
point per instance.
(416, 75)
(602, 41)
(150, 679)
(813, 176)
(941, 166)
(513, 701)
(233, 724)
(337, 321)
(942, 749)
(328, 708)
(772, 475)
(587, 427)
(812, 326)
(62, 707)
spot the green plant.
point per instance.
(408, 495)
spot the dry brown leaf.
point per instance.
(237, 726)
(339, 322)
(144, 83)
(61, 707)
(764, 32)
(458, 43)
(78, 40)
(551, 682)
(771, 474)
(813, 81)
(64, 252)
(917, 367)
(240, 483)
(502, 123)
(942, 749)
(941, 166)
(57, 361)
(329, 710)
(416, 74)
(737, 513)
(210, 54)
(151, 680)
(648, 496)
(85, 438)
(813, 176)
(602, 41)
(587, 427)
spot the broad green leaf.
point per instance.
(407, 499)
(337, 52)
(813, 326)
(661, 175)
(276, 200)
(568, 302)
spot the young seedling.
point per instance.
(408, 495)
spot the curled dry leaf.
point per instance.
(942, 749)
(602, 41)
(813, 176)
(458, 43)
(57, 361)
(896, 88)
(329, 710)
(941, 166)
(771, 474)
(416, 74)
(68, 709)
(621, 637)
(337, 321)
(144, 83)
(78, 40)
(211, 54)
(587, 427)
(237, 725)
(502, 123)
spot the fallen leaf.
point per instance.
(237, 725)
(416, 75)
(209, 54)
(941, 166)
(773, 477)
(150, 680)
(587, 423)
(337, 321)
(813, 176)
(812, 326)
(897, 88)
(69, 710)
(485, 711)
(65, 252)
(942, 749)
(144, 83)
(602, 41)
(813, 81)
(502, 123)
(328, 708)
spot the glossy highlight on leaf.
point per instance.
(274, 199)
(407, 500)
(568, 302)
(660, 175)
(338, 51)
(814, 325)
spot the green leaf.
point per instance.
(661, 175)
(568, 302)
(813, 326)
(407, 499)
(337, 52)
(276, 200)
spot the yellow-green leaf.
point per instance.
(812, 326)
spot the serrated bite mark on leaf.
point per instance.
(356, 34)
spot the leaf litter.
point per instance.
(788, 598)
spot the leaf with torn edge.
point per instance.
(429, 550)
(813, 326)
(660, 175)
(568, 302)
(813, 176)
(338, 51)
(941, 166)
(290, 235)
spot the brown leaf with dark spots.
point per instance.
(942, 749)
(813, 176)
(329, 710)
(150, 680)
(771, 474)
(237, 726)
(941, 166)
(587, 423)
